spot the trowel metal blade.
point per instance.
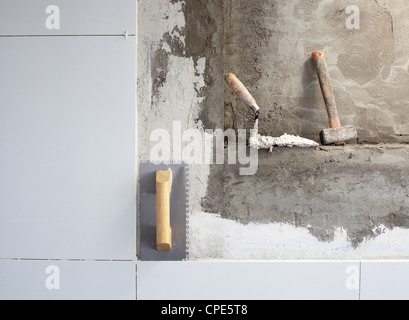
(178, 212)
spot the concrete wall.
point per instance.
(268, 43)
(346, 203)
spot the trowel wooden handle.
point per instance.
(326, 89)
(241, 91)
(163, 230)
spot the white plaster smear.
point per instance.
(170, 103)
(212, 237)
(258, 142)
(166, 17)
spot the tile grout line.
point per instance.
(136, 281)
(66, 35)
(360, 280)
(67, 260)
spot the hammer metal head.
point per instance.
(338, 135)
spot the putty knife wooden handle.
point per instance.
(163, 191)
(241, 91)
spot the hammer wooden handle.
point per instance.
(241, 91)
(163, 230)
(326, 89)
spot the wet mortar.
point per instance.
(354, 188)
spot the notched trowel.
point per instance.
(163, 212)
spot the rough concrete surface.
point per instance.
(184, 50)
(179, 66)
(268, 44)
(179, 77)
(353, 188)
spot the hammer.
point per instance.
(336, 134)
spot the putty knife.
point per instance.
(258, 141)
(163, 204)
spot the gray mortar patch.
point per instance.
(357, 189)
(354, 188)
(204, 39)
(268, 45)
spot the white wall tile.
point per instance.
(67, 141)
(76, 17)
(78, 280)
(386, 280)
(246, 280)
